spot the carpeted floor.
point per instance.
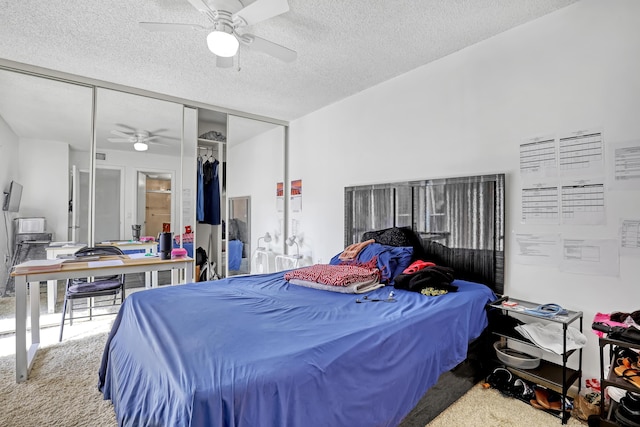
(62, 389)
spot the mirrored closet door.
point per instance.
(103, 164)
(256, 156)
(137, 167)
(45, 142)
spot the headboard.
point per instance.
(459, 221)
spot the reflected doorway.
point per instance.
(108, 205)
(79, 209)
(154, 202)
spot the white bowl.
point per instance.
(517, 358)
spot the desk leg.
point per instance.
(34, 294)
(52, 294)
(188, 273)
(154, 279)
(151, 278)
(24, 357)
(21, 329)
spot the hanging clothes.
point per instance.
(211, 186)
(200, 196)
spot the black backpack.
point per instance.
(201, 257)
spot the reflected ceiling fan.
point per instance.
(228, 19)
(139, 138)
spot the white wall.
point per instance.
(44, 175)
(9, 142)
(466, 114)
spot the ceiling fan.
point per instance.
(139, 138)
(228, 19)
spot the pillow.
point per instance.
(397, 236)
(391, 260)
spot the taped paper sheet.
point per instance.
(537, 249)
(596, 257)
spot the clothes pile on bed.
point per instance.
(388, 257)
(350, 279)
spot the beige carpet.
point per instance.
(62, 389)
(481, 407)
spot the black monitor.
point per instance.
(12, 198)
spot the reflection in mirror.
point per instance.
(239, 235)
(136, 137)
(153, 204)
(45, 131)
(211, 193)
(256, 148)
(108, 206)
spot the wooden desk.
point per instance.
(24, 356)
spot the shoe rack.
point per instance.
(553, 372)
(610, 378)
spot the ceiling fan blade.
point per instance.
(270, 48)
(156, 143)
(151, 138)
(118, 140)
(167, 26)
(224, 62)
(122, 125)
(158, 131)
(200, 5)
(261, 10)
(121, 134)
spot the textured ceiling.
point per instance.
(343, 46)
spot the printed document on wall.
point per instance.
(626, 166)
(581, 153)
(538, 159)
(598, 257)
(630, 237)
(541, 204)
(583, 202)
(537, 249)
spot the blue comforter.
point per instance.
(257, 351)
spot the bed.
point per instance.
(261, 351)
(257, 350)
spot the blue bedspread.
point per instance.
(257, 351)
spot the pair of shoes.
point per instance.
(502, 380)
(628, 411)
(546, 399)
(522, 390)
(630, 374)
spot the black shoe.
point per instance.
(628, 411)
(632, 401)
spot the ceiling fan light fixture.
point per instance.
(140, 146)
(223, 42)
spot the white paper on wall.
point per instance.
(540, 204)
(581, 153)
(630, 236)
(583, 202)
(537, 249)
(538, 159)
(625, 170)
(596, 257)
